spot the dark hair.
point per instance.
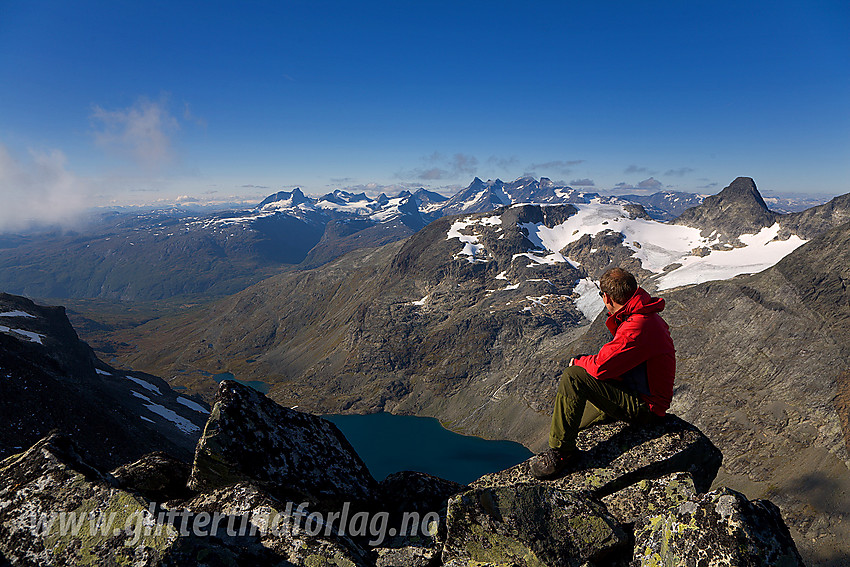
(619, 284)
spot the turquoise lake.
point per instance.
(390, 443)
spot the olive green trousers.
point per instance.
(583, 401)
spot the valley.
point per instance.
(470, 313)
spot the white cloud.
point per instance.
(38, 191)
(645, 187)
(141, 132)
(564, 167)
(680, 172)
(438, 166)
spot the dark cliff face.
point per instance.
(738, 209)
(49, 379)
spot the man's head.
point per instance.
(617, 287)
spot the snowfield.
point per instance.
(659, 245)
(676, 255)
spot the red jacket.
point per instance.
(640, 335)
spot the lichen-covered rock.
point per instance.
(529, 525)
(408, 556)
(248, 437)
(56, 510)
(617, 455)
(158, 476)
(716, 529)
(649, 497)
(277, 533)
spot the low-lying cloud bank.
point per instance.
(38, 191)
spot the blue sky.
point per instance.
(144, 101)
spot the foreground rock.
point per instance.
(270, 487)
(56, 510)
(530, 525)
(627, 480)
(718, 528)
(415, 494)
(158, 476)
(291, 454)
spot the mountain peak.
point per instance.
(738, 209)
(743, 188)
(296, 196)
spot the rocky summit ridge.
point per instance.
(637, 496)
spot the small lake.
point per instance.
(390, 443)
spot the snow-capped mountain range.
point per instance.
(160, 254)
(419, 208)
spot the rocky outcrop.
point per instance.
(636, 495)
(616, 456)
(292, 454)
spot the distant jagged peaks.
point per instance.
(425, 197)
(738, 209)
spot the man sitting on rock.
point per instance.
(630, 379)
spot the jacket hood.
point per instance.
(642, 303)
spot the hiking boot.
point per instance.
(548, 463)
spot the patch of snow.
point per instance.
(141, 396)
(178, 420)
(28, 335)
(421, 302)
(513, 286)
(760, 252)
(549, 259)
(502, 275)
(191, 405)
(659, 244)
(472, 248)
(588, 301)
(16, 314)
(355, 208)
(146, 385)
(477, 197)
(146, 419)
(103, 372)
